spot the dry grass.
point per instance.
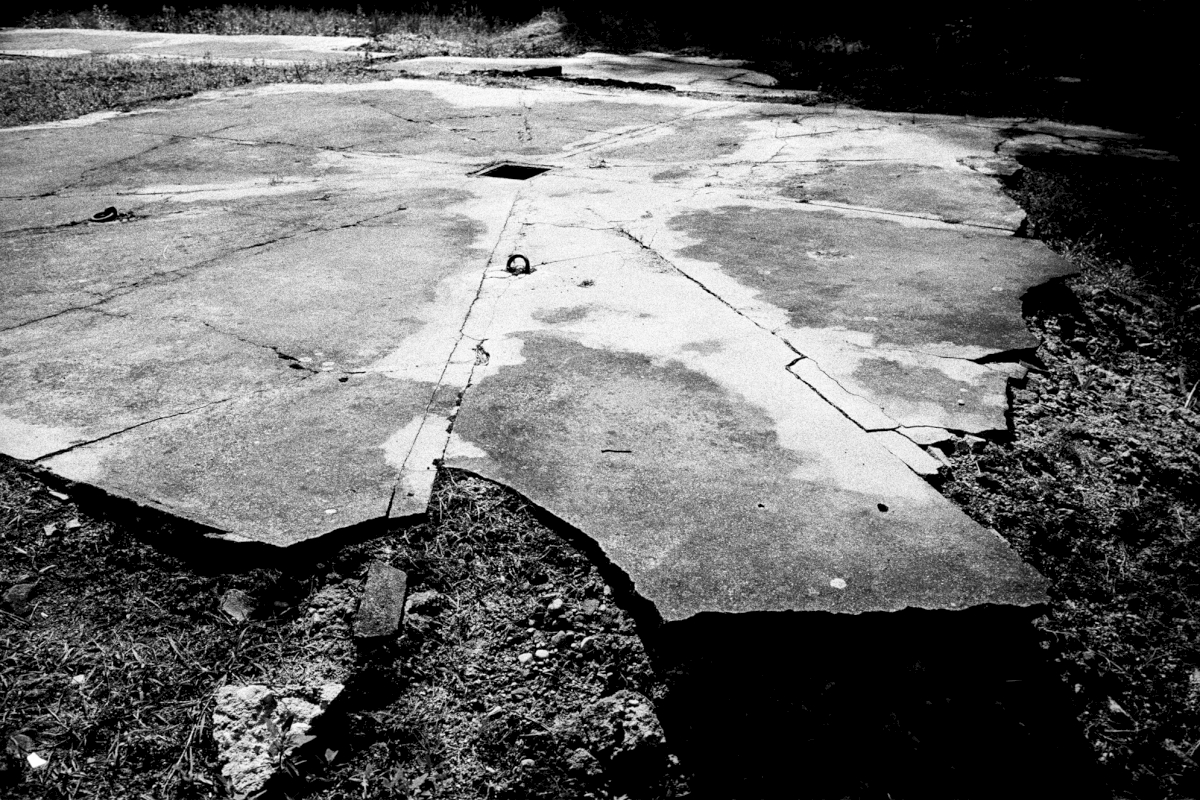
(109, 675)
(44, 90)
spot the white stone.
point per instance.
(256, 726)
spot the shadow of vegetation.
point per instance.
(1014, 58)
(913, 704)
(1132, 218)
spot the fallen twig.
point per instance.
(1191, 395)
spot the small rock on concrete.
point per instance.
(382, 605)
(257, 726)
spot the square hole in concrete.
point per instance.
(515, 172)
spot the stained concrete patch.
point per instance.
(890, 313)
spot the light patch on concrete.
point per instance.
(28, 441)
(400, 444)
(925, 436)
(84, 464)
(458, 447)
(640, 307)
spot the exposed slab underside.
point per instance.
(735, 340)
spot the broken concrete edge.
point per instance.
(645, 614)
(222, 551)
(649, 617)
(801, 97)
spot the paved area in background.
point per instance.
(743, 323)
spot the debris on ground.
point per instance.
(382, 604)
(256, 727)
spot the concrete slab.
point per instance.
(646, 70)
(304, 309)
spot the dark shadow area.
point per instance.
(515, 172)
(1014, 58)
(1022, 58)
(914, 704)
(1130, 220)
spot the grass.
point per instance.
(422, 30)
(45, 90)
(111, 675)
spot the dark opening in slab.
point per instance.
(516, 172)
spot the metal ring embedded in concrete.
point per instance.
(528, 268)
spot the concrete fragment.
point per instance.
(621, 731)
(381, 608)
(926, 436)
(257, 726)
(427, 602)
(582, 762)
(909, 452)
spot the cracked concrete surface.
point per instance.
(744, 324)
